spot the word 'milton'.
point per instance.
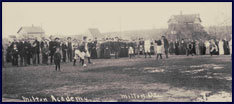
(57, 99)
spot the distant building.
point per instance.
(77, 37)
(31, 32)
(136, 34)
(93, 33)
(184, 26)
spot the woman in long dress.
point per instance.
(177, 44)
(207, 45)
(171, 48)
(197, 47)
(182, 47)
(221, 48)
(230, 47)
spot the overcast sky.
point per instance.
(75, 18)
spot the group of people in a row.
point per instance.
(201, 47)
(27, 51)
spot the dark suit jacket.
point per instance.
(64, 47)
(52, 47)
(166, 43)
(37, 46)
(21, 48)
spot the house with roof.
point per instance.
(31, 32)
(93, 33)
(136, 34)
(184, 26)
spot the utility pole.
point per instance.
(120, 27)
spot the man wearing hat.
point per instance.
(57, 43)
(52, 48)
(22, 52)
(166, 45)
(230, 46)
(36, 51)
(64, 51)
(28, 52)
(116, 47)
(69, 48)
(45, 52)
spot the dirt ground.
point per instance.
(177, 79)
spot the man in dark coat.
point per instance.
(125, 49)
(121, 53)
(177, 45)
(8, 54)
(102, 47)
(69, 49)
(194, 47)
(182, 47)
(116, 47)
(28, 52)
(42, 44)
(166, 45)
(226, 47)
(172, 47)
(52, 48)
(107, 50)
(64, 51)
(202, 47)
(36, 51)
(93, 49)
(22, 52)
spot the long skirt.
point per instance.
(207, 50)
(159, 49)
(197, 50)
(93, 53)
(221, 50)
(230, 48)
(177, 52)
(8, 57)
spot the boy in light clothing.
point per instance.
(147, 45)
(159, 49)
(130, 51)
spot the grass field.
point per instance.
(177, 79)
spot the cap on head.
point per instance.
(84, 38)
(68, 38)
(56, 38)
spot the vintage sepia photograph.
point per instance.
(116, 51)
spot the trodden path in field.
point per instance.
(177, 79)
